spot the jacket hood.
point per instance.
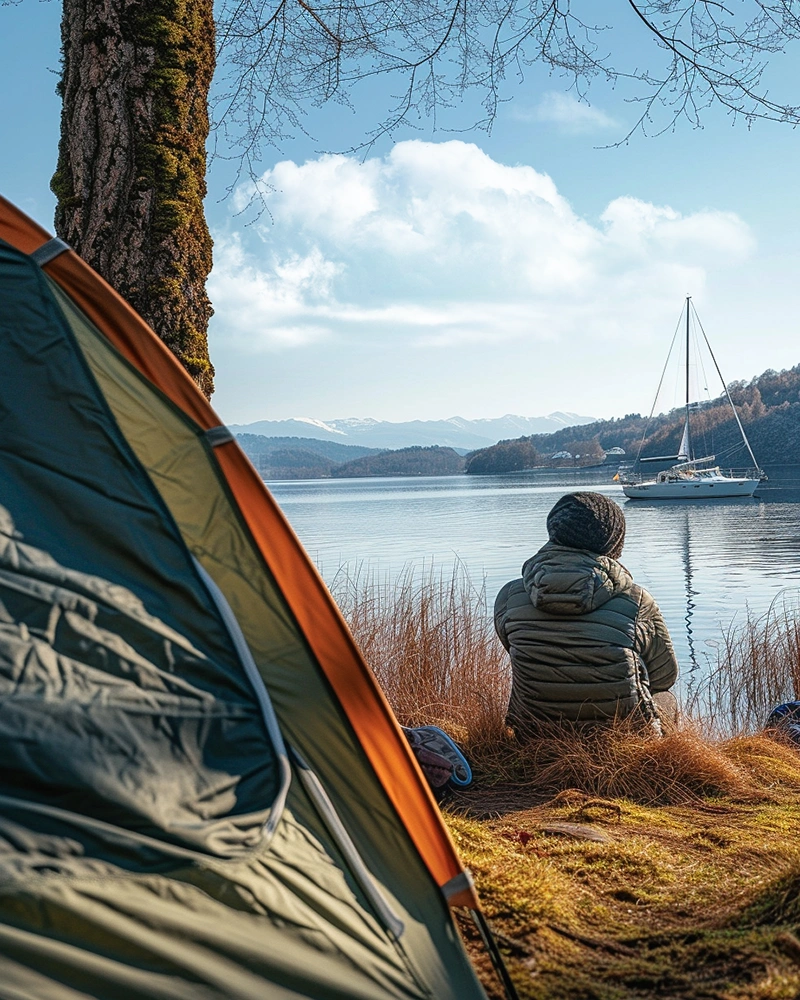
(567, 581)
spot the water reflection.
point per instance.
(691, 593)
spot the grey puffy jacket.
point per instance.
(586, 642)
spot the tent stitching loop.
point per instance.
(49, 251)
(458, 883)
(218, 435)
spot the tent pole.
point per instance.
(495, 955)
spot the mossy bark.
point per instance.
(130, 179)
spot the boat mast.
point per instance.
(689, 453)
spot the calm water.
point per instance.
(705, 562)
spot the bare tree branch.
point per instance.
(279, 58)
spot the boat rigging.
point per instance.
(691, 478)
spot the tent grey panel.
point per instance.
(156, 650)
(181, 465)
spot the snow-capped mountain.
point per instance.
(455, 432)
(318, 425)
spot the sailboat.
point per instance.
(691, 478)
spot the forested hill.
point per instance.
(416, 461)
(298, 458)
(257, 444)
(768, 406)
(309, 458)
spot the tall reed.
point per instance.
(429, 638)
(757, 667)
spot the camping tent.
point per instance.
(204, 792)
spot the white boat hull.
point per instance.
(706, 489)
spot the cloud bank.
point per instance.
(437, 245)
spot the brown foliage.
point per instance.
(428, 639)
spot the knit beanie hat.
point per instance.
(588, 521)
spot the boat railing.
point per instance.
(749, 473)
(627, 477)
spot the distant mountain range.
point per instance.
(456, 432)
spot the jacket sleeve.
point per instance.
(654, 645)
(500, 608)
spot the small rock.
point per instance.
(577, 830)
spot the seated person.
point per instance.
(586, 643)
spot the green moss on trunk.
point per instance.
(130, 179)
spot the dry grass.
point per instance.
(757, 668)
(430, 641)
(597, 898)
(619, 762)
(688, 902)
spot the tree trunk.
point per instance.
(130, 180)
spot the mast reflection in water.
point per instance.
(691, 593)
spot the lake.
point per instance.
(706, 562)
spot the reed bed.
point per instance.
(757, 668)
(429, 637)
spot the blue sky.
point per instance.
(525, 271)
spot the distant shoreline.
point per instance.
(778, 475)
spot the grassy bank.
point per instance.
(617, 866)
(605, 898)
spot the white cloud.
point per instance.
(568, 113)
(333, 192)
(274, 306)
(440, 245)
(636, 225)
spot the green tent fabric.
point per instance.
(186, 810)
